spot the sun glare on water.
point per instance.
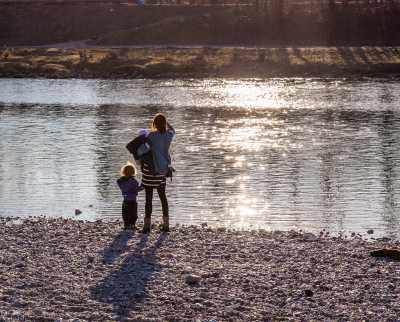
(248, 94)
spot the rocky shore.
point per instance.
(66, 270)
(199, 62)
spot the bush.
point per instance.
(128, 70)
(6, 54)
(164, 69)
(13, 68)
(83, 58)
(236, 57)
(261, 56)
(110, 58)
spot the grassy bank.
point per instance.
(198, 62)
(56, 269)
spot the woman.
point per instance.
(154, 177)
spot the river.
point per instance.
(282, 153)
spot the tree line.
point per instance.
(309, 22)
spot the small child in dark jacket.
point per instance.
(129, 187)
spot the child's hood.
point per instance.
(144, 132)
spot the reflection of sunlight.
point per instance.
(242, 210)
(192, 148)
(250, 135)
(242, 207)
(250, 93)
(236, 179)
(238, 164)
(230, 181)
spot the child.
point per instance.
(129, 188)
(144, 148)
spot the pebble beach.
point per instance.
(69, 270)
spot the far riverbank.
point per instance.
(198, 62)
(53, 269)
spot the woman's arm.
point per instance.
(170, 127)
(170, 131)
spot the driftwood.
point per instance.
(386, 253)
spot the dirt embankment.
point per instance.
(198, 62)
(56, 269)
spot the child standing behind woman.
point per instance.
(129, 187)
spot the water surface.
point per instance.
(278, 154)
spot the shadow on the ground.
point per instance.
(118, 246)
(357, 55)
(125, 288)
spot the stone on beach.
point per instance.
(309, 237)
(192, 279)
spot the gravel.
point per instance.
(66, 270)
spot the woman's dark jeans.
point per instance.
(149, 200)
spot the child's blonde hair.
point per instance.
(128, 170)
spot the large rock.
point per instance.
(309, 237)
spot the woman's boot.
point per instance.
(165, 227)
(147, 225)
